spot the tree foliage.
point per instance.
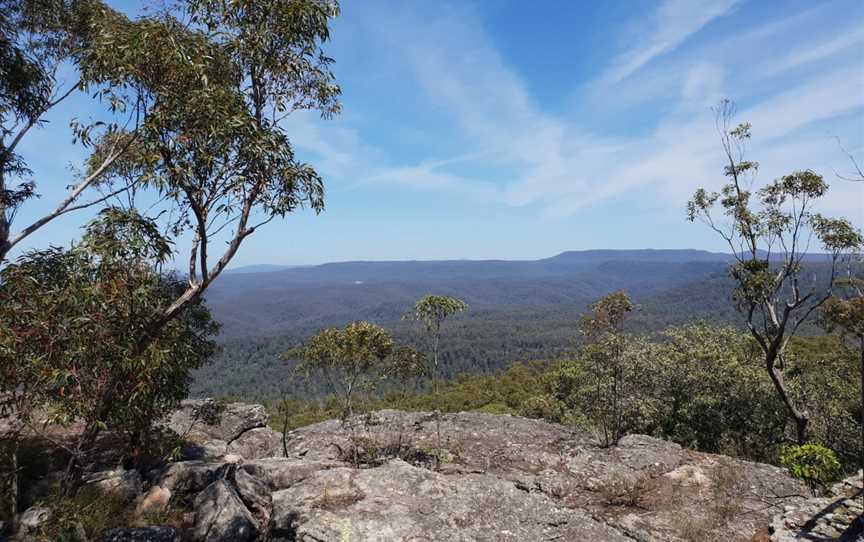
(355, 358)
(767, 232)
(69, 321)
(596, 388)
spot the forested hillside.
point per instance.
(520, 310)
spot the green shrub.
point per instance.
(812, 463)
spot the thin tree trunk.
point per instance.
(72, 476)
(800, 418)
(437, 401)
(10, 490)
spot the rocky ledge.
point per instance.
(386, 477)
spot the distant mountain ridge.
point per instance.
(263, 302)
(518, 310)
(553, 265)
(561, 264)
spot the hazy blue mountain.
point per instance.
(260, 268)
(519, 310)
(273, 302)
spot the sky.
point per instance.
(517, 130)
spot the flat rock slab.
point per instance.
(401, 502)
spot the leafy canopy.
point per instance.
(432, 310)
(69, 319)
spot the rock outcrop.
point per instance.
(834, 516)
(490, 478)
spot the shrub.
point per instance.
(812, 463)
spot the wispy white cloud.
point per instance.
(810, 53)
(513, 152)
(672, 23)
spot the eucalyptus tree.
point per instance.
(432, 311)
(204, 87)
(217, 88)
(69, 319)
(601, 374)
(768, 233)
(348, 358)
(38, 40)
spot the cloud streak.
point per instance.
(672, 23)
(512, 152)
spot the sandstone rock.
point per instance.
(186, 479)
(143, 534)
(206, 420)
(220, 515)
(398, 501)
(503, 478)
(281, 473)
(256, 495)
(209, 450)
(122, 484)
(257, 443)
(837, 516)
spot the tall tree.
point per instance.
(777, 287)
(217, 86)
(205, 86)
(433, 310)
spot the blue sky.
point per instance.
(514, 129)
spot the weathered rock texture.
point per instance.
(498, 478)
(836, 516)
(491, 478)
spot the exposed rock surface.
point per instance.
(220, 515)
(498, 478)
(31, 520)
(398, 501)
(211, 429)
(835, 516)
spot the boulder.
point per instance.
(203, 420)
(143, 534)
(257, 443)
(209, 450)
(256, 495)
(221, 516)
(281, 472)
(156, 500)
(186, 479)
